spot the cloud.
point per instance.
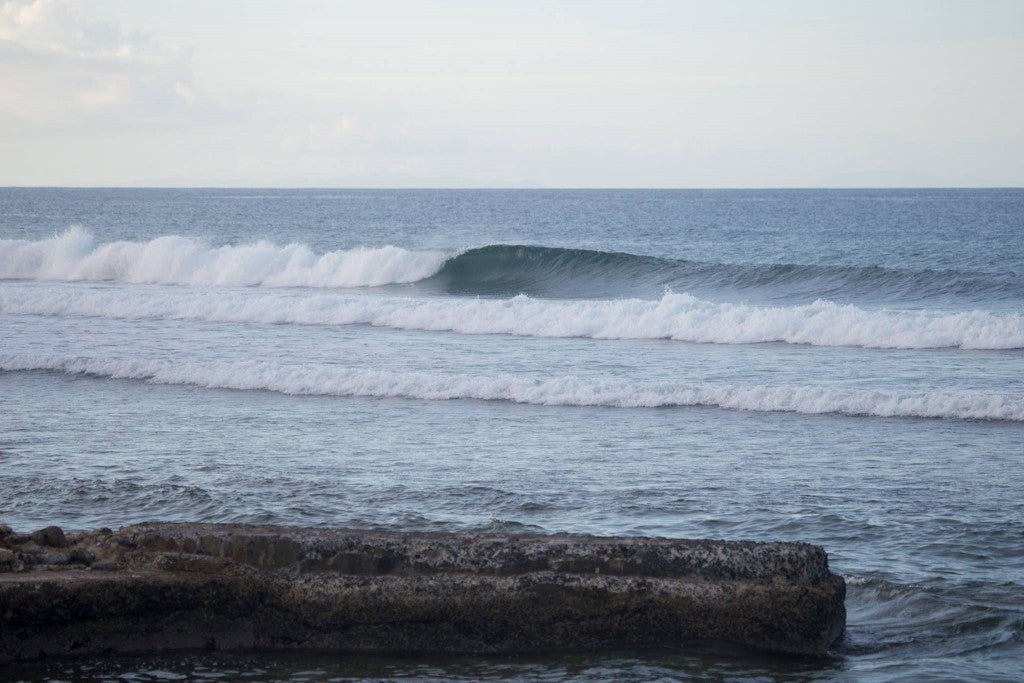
(494, 93)
(58, 64)
(53, 27)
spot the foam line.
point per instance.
(678, 317)
(549, 391)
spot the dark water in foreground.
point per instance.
(843, 368)
(702, 665)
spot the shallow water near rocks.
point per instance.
(200, 380)
(701, 663)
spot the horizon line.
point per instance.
(511, 187)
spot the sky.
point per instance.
(765, 93)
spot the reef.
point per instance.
(164, 586)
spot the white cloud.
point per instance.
(56, 27)
(57, 64)
(111, 94)
(185, 92)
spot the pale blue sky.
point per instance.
(514, 94)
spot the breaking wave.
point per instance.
(499, 269)
(332, 380)
(678, 317)
(503, 269)
(74, 255)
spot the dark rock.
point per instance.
(31, 548)
(5, 531)
(51, 536)
(54, 557)
(168, 586)
(104, 566)
(18, 539)
(7, 560)
(82, 556)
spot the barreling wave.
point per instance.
(678, 317)
(503, 269)
(331, 380)
(74, 255)
(498, 270)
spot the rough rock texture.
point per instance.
(170, 586)
(51, 536)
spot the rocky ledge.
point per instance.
(158, 587)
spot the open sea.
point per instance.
(839, 367)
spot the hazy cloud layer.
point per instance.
(511, 94)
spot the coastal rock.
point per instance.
(56, 557)
(52, 536)
(170, 586)
(81, 555)
(7, 560)
(104, 566)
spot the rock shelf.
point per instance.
(163, 586)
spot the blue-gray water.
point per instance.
(839, 367)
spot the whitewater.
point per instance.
(679, 317)
(553, 391)
(75, 255)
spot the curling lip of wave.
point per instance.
(494, 269)
(561, 272)
(678, 317)
(549, 391)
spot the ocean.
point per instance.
(842, 367)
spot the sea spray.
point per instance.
(74, 255)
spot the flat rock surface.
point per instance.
(165, 586)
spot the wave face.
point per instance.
(552, 391)
(547, 271)
(495, 270)
(678, 317)
(75, 256)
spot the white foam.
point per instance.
(552, 391)
(675, 316)
(75, 256)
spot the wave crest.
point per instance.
(679, 317)
(504, 269)
(74, 255)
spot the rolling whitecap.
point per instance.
(678, 317)
(323, 380)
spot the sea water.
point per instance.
(839, 367)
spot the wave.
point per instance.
(679, 317)
(498, 270)
(945, 619)
(74, 255)
(329, 380)
(503, 269)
